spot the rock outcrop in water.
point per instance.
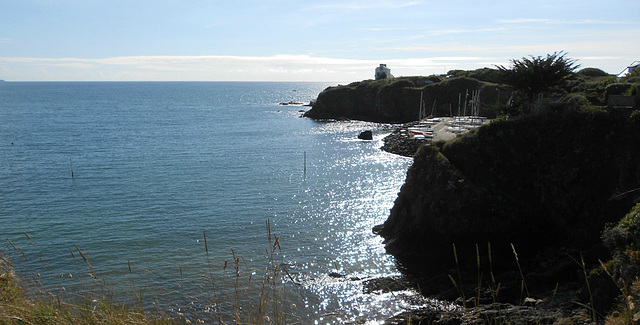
(397, 100)
(546, 183)
(366, 135)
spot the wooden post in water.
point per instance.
(305, 166)
(71, 163)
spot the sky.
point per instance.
(302, 40)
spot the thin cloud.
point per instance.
(74, 65)
(598, 22)
(383, 29)
(332, 12)
(365, 5)
(277, 67)
(288, 67)
(601, 57)
(596, 45)
(464, 31)
(247, 68)
(566, 22)
(42, 60)
(522, 21)
(185, 60)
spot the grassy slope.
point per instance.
(17, 308)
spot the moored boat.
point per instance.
(426, 132)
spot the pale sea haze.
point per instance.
(158, 165)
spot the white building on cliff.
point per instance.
(382, 72)
(631, 68)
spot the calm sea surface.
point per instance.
(159, 166)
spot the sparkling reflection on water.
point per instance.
(158, 166)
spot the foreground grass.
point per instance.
(265, 306)
(17, 308)
(479, 305)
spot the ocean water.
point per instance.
(135, 176)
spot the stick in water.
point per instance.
(71, 163)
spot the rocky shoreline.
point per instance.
(518, 205)
(522, 221)
(402, 142)
(461, 301)
(481, 303)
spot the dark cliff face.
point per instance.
(376, 101)
(538, 182)
(397, 100)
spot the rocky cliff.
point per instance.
(546, 183)
(397, 100)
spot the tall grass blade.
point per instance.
(524, 283)
(479, 276)
(93, 273)
(461, 288)
(206, 246)
(17, 249)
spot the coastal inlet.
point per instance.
(157, 165)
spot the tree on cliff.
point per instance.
(534, 75)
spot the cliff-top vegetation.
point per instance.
(528, 84)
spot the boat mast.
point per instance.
(420, 112)
(433, 108)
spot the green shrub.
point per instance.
(617, 89)
(456, 73)
(536, 75)
(635, 79)
(434, 79)
(579, 88)
(592, 72)
(485, 74)
(623, 240)
(595, 98)
(571, 102)
(574, 86)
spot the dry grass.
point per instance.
(17, 308)
(627, 310)
(258, 299)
